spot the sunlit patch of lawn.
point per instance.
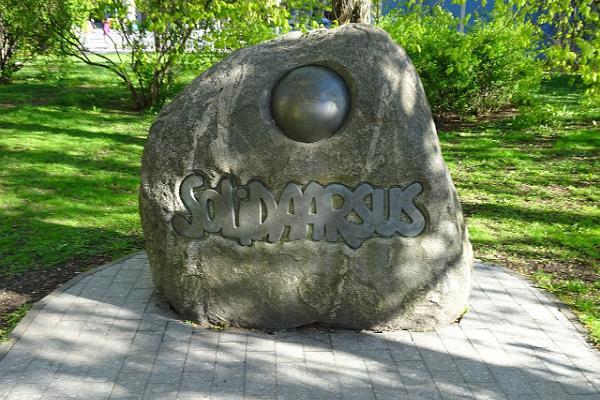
(70, 152)
(530, 187)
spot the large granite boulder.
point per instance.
(301, 181)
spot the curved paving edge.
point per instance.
(551, 298)
(106, 334)
(39, 305)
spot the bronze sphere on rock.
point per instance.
(310, 103)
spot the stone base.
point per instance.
(294, 284)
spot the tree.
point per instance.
(151, 52)
(349, 11)
(20, 36)
(573, 40)
(491, 65)
(572, 36)
(571, 28)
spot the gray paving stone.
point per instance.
(130, 385)
(345, 341)
(487, 391)
(449, 375)
(474, 370)
(286, 352)
(523, 397)
(437, 361)
(391, 394)
(193, 395)
(16, 361)
(27, 390)
(103, 373)
(146, 341)
(316, 342)
(516, 387)
(262, 343)
(549, 388)
(139, 362)
(414, 373)
(261, 386)
(6, 386)
(408, 353)
(324, 359)
(376, 359)
(357, 394)
(386, 380)
(161, 391)
(427, 391)
(166, 377)
(454, 389)
(110, 336)
(578, 386)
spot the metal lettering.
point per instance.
(251, 212)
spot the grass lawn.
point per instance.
(70, 154)
(530, 188)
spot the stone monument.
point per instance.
(301, 181)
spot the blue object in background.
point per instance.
(470, 6)
(458, 10)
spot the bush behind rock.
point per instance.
(494, 64)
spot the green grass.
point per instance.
(529, 185)
(13, 319)
(583, 297)
(70, 154)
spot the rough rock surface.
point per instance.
(220, 127)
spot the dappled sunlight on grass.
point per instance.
(530, 190)
(70, 156)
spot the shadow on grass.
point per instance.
(45, 245)
(500, 146)
(525, 214)
(70, 157)
(110, 97)
(73, 115)
(78, 133)
(54, 215)
(557, 104)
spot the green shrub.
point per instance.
(491, 66)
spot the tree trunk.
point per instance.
(8, 66)
(349, 11)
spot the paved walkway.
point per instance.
(107, 335)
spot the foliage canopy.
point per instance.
(153, 49)
(502, 55)
(21, 36)
(494, 64)
(168, 37)
(572, 37)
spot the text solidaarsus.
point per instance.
(252, 212)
